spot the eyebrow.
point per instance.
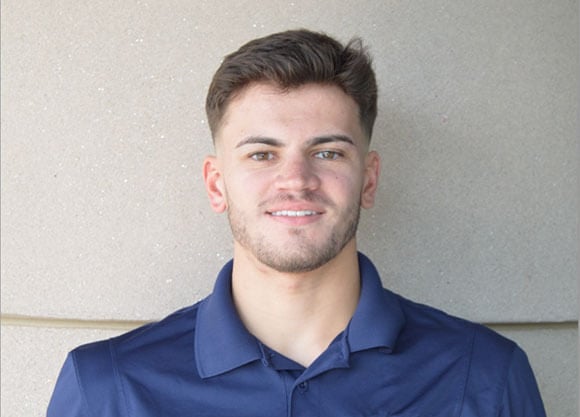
(318, 140)
(263, 140)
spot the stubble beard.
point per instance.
(304, 255)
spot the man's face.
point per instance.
(292, 170)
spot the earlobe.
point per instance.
(214, 187)
(371, 179)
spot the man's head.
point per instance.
(292, 59)
(291, 116)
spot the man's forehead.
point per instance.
(259, 103)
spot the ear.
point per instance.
(213, 179)
(371, 179)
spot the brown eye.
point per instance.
(262, 156)
(329, 155)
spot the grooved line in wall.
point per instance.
(31, 321)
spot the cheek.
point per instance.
(245, 185)
(345, 186)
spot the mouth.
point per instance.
(294, 213)
(295, 218)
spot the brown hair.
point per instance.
(291, 59)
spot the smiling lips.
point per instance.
(294, 213)
(294, 218)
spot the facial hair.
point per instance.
(296, 253)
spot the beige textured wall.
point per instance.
(105, 223)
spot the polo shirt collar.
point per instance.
(378, 318)
(222, 342)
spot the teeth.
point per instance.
(292, 213)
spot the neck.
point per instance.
(297, 315)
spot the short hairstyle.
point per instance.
(291, 59)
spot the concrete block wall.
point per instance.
(105, 224)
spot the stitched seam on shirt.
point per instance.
(117, 378)
(81, 387)
(501, 392)
(467, 373)
(196, 341)
(286, 399)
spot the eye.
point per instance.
(328, 155)
(262, 156)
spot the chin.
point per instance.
(305, 260)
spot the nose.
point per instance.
(297, 174)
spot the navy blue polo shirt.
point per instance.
(395, 358)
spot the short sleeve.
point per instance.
(67, 398)
(87, 385)
(521, 396)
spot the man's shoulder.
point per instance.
(94, 371)
(150, 339)
(434, 325)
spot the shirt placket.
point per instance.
(302, 398)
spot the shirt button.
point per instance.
(303, 387)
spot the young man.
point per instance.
(298, 323)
